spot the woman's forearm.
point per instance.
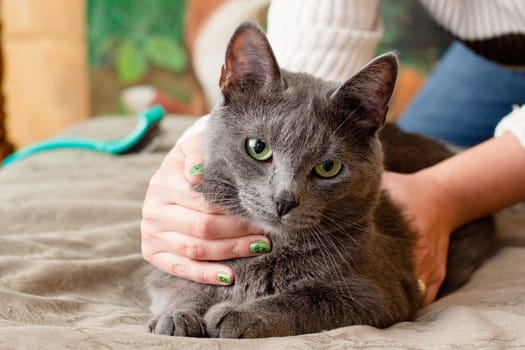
(481, 180)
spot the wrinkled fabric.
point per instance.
(71, 271)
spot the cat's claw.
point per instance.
(183, 324)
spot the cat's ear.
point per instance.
(368, 92)
(250, 63)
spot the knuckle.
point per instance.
(202, 228)
(192, 250)
(157, 189)
(198, 199)
(205, 205)
(147, 253)
(236, 249)
(148, 212)
(143, 228)
(240, 226)
(155, 181)
(146, 231)
(202, 276)
(180, 270)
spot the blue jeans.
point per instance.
(464, 98)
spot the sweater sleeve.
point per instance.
(514, 123)
(200, 125)
(330, 39)
(494, 29)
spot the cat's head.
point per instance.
(288, 151)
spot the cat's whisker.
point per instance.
(348, 223)
(340, 285)
(330, 237)
(364, 228)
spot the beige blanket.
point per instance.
(72, 273)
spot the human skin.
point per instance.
(183, 235)
(477, 182)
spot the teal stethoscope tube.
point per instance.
(146, 120)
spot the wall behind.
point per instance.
(45, 81)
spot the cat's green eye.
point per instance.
(328, 168)
(258, 150)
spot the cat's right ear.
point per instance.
(367, 94)
(250, 63)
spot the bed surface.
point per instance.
(71, 269)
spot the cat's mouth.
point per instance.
(275, 224)
(266, 220)
(271, 222)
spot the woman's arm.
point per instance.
(477, 182)
(483, 179)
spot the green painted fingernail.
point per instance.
(197, 169)
(260, 247)
(224, 278)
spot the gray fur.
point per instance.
(343, 255)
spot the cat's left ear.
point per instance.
(250, 63)
(368, 92)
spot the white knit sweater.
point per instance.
(333, 38)
(328, 38)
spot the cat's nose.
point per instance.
(284, 205)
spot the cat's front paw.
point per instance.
(228, 320)
(178, 323)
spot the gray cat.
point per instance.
(302, 158)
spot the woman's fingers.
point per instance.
(420, 205)
(431, 293)
(198, 271)
(219, 249)
(174, 190)
(430, 287)
(178, 218)
(193, 158)
(181, 169)
(430, 273)
(430, 258)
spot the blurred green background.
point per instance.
(410, 31)
(135, 42)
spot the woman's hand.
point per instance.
(426, 205)
(181, 233)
